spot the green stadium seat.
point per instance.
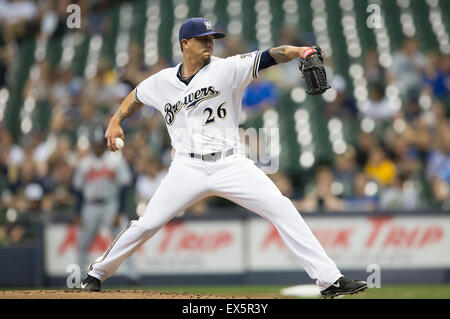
(80, 57)
(424, 31)
(15, 101)
(137, 30)
(393, 25)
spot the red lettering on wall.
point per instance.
(223, 239)
(395, 237)
(70, 240)
(411, 236)
(99, 243)
(333, 237)
(342, 238)
(168, 231)
(203, 242)
(431, 235)
(401, 237)
(326, 237)
(179, 237)
(377, 224)
(272, 237)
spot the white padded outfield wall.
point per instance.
(355, 243)
(234, 246)
(191, 247)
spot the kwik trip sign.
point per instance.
(202, 246)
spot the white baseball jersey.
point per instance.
(202, 117)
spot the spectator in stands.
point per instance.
(343, 106)
(61, 199)
(41, 149)
(135, 71)
(378, 106)
(18, 18)
(438, 164)
(411, 107)
(150, 175)
(100, 91)
(417, 145)
(25, 183)
(361, 199)
(49, 19)
(407, 67)
(231, 45)
(320, 196)
(4, 193)
(64, 151)
(380, 167)
(437, 75)
(373, 71)
(286, 75)
(13, 152)
(401, 195)
(61, 91)
(441, 195)
(404, 154)
(365, 143)
(401, 143)
(158, 139)
(27, 195)
(345, 168)
(420, 135)
(284, 184)
(436, 120)
(6, 58)
(259, 96)
(97, 21)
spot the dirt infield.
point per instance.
(107, 294)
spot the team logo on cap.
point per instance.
(208, 25)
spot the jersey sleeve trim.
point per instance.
(256, 64)
(136, 99)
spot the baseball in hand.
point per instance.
(119, 143)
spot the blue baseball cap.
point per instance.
(198, 27)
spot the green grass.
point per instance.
(438, 291)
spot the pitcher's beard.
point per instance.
(206, 60)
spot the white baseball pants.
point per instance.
(235, 178)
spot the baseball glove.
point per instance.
(311, 66)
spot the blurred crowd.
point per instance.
(403, 164)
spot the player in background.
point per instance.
(200, 100)
(100, 178)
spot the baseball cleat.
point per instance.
(344, 286)
(91, 283)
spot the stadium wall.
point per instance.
(235, 247)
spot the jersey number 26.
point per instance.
(221, 113)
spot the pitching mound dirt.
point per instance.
(109, 294)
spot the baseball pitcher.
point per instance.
(200, 100)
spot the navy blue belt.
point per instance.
(212, 157)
